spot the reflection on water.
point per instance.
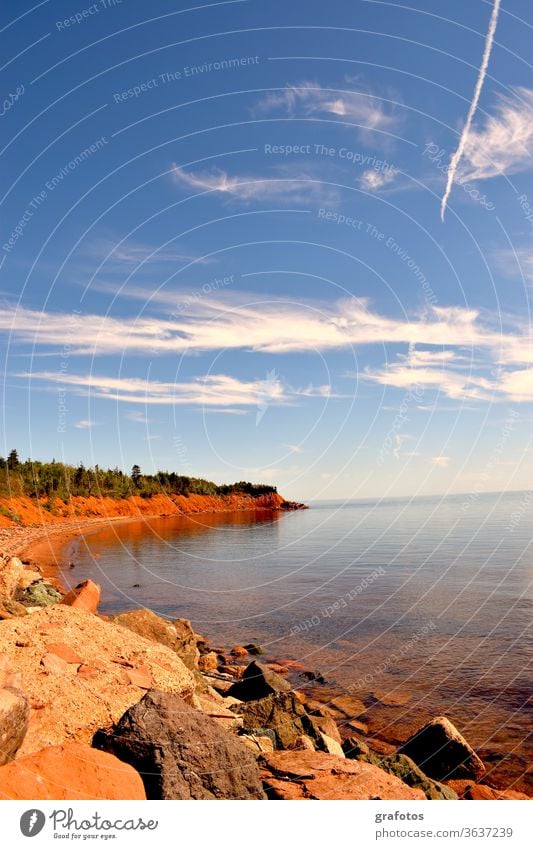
(427, 602)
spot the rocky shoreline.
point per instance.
(135, 706)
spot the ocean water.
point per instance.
(420, 607)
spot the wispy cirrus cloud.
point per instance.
(357, 105)
(285, 186)
(134, 253)
(503, 144)
(219, 391)
(449, 349)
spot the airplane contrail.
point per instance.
(456, 158)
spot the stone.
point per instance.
(278, 668)
(14, 719)
(355, 748)
(257, 682)
(257, 743)
(64, 652)
(329, 745)
(442, 752)
(208, 662)
(177, 635)
(238, 651)
(221, 685)
(252, 648)
(70, 771)
(309, 675)
(29, 577)
(281, 712)
(85, 596)
(301, 743)
(404, 768)
(480, 792)
(54, 665)
(140, 677)
(10, 574)
(317, 775)
(40, 594)
(326, 725)
(182, 753)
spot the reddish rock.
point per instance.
(10, 575)
(468, 790)
(326, 725)
(238, 651)
(71, 771)
(64, 652)
(177, 635)
(53, 664)
(208, 662)
(87, 672)
(302, 743)
(140, 677)
(316, 775)
(231, 669)
(86, 596)
(14, 718)
(278, 668)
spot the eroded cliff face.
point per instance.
(29, 511)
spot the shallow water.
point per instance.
(422, 602)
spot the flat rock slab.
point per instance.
(315, 775)
(181, 753)
(72, 771)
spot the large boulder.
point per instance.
(177, 635)
(442, 752)
(71, 771)
(10, 575)
(281, 712)
(14, 719)
(257, 682)
(86, 596)
(182, 753)
(316, 775)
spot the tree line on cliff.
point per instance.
(61, 480)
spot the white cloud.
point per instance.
(285, 186)
(130, 252)
(216, 391)
(504, 143)
(296, 449)
(441, 462)
(372, 180)
(137, 416)
(361, 106)
(84, 424)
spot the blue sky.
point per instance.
(222, 250)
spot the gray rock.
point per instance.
(181, 753)
(40, 594)
(281, 712)
(14, 718)
(257, 682)
(442, 752)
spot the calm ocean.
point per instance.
(422, 607)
